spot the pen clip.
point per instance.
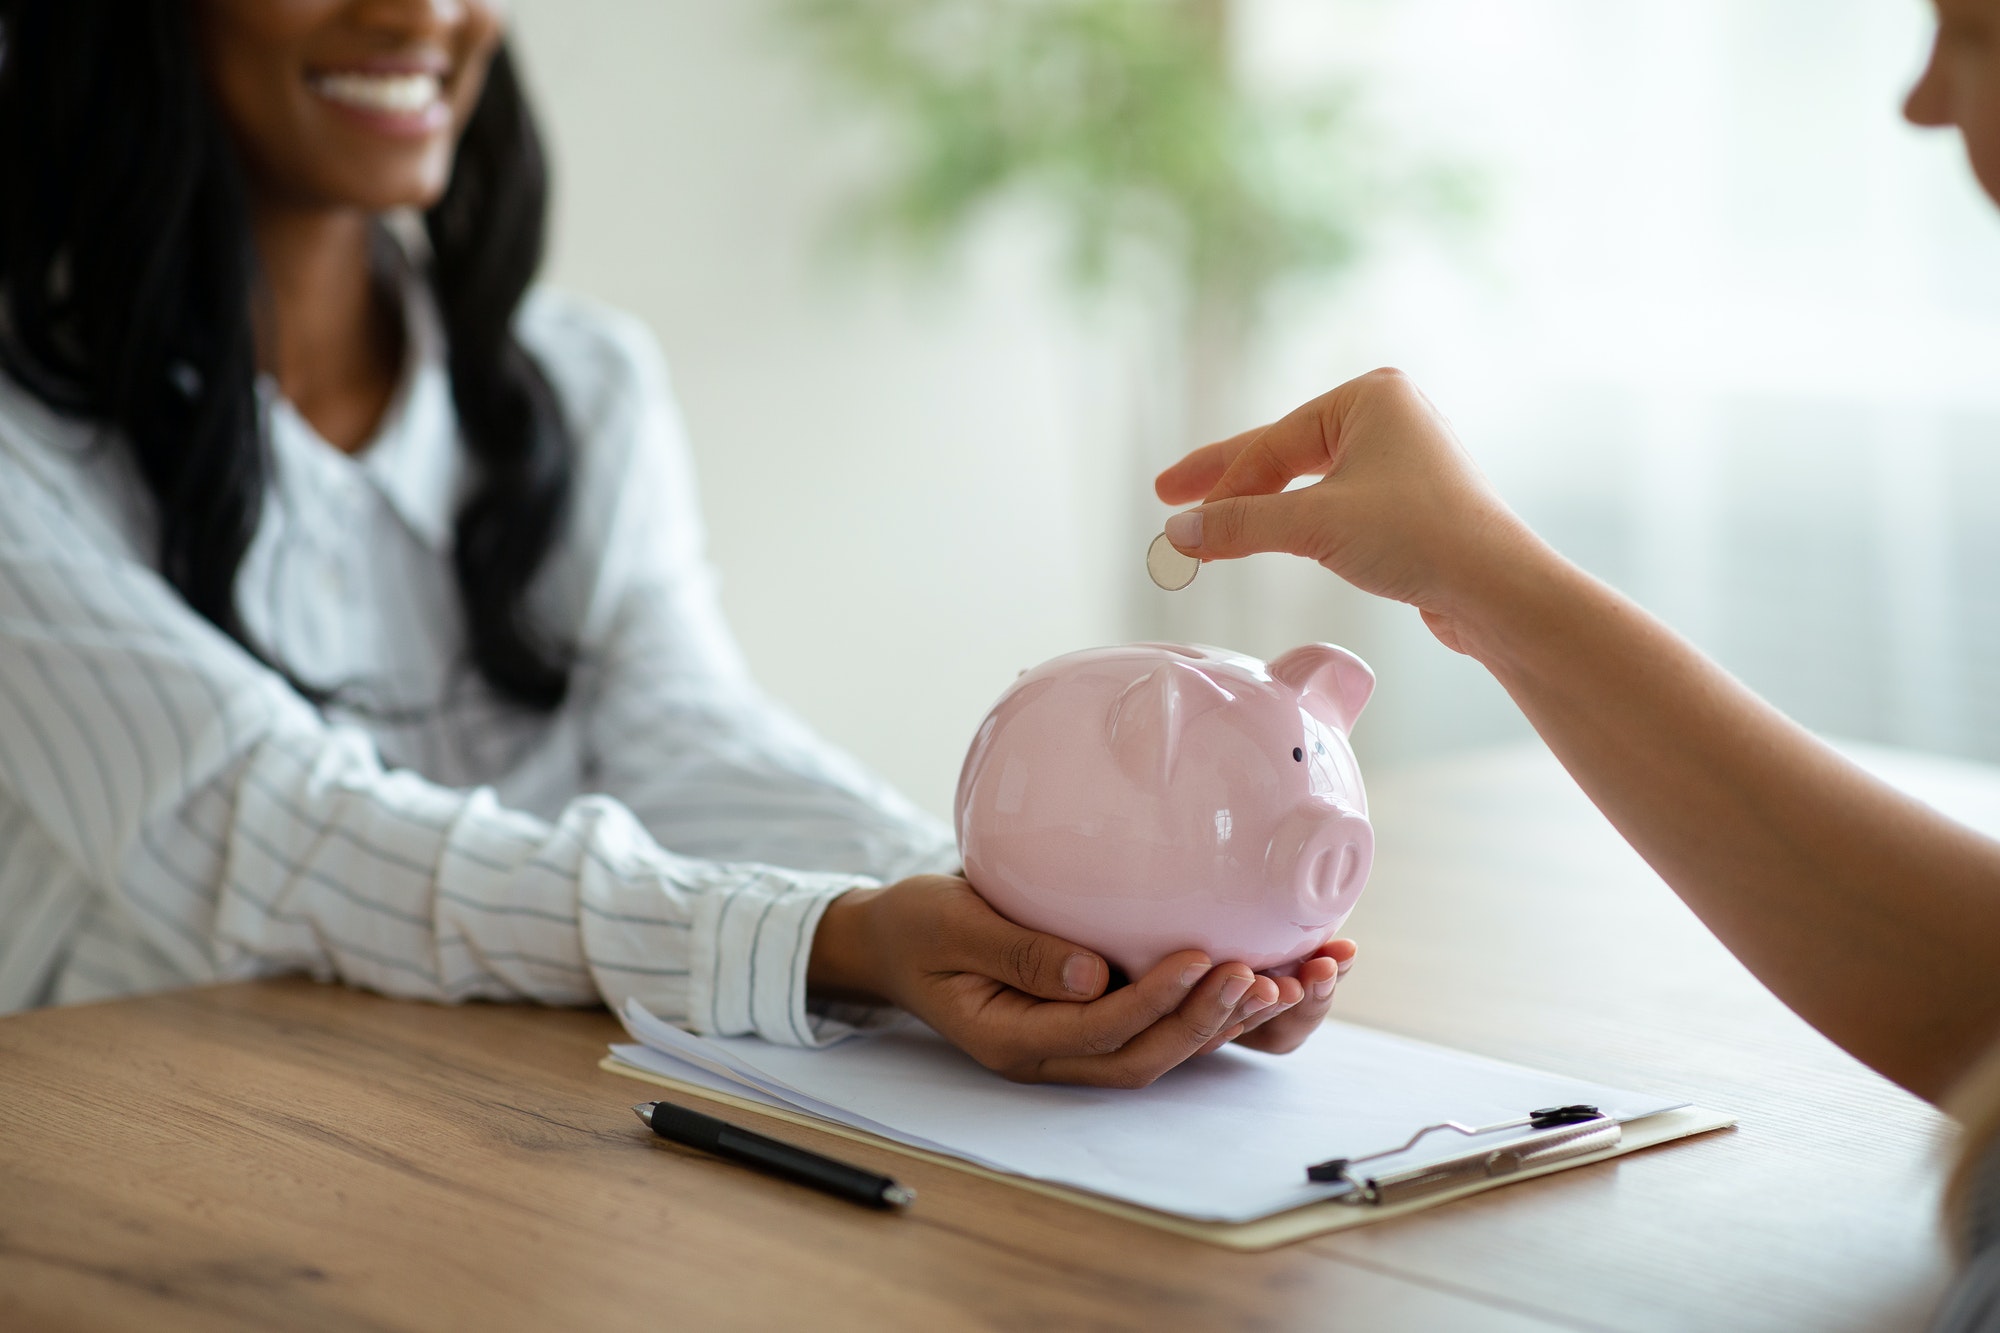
(1560, 1134)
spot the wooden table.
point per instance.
(305, 1157)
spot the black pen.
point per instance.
(696, 1130)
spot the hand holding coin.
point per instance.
(1168, 567)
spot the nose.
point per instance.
(1929, 104)
(1333, 872)
(1324, 854)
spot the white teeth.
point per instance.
(389, 94)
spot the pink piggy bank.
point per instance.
(1158, 797)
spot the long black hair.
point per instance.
(127, 282)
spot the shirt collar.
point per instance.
(414, 460)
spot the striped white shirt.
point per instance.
(171, 811)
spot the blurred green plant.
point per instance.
(1126, 119)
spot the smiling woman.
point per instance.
(192, 212)
(472, 724)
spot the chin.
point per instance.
(1988, 173)
(1982, 152)
(377, 141)
(418, 198)
(384, 186)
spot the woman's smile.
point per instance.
(347, 104)
(405, 99)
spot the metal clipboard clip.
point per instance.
(1561, 1133)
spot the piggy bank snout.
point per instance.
(1324, 852)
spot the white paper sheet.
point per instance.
(1226, 1138)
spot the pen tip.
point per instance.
(644, 1110)
(899, 1196)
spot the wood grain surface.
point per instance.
(289, 1155)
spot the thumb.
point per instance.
(1289, 522)
(1041, 965)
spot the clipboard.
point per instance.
(1452, 1174)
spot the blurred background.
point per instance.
(943, 282)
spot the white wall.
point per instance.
(911, 488)
(1740, 350)
(1728, 334)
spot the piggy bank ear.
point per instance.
(1333, 684)
(1150, 714)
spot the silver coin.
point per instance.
(1169, 568)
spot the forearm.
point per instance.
(319, 858)
(1873, 916)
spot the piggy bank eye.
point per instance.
(1298, 755)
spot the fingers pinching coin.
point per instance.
(1168, 567)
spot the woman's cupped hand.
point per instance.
(1038, 1009)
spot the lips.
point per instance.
(399, 94)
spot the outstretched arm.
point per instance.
(1873, 916)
